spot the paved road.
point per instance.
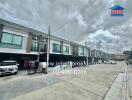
(84, 83)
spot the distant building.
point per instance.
(120, 56)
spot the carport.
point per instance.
(62, 58)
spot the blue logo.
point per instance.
(117, 11)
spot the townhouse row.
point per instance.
(21, 43)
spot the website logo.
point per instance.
(117, 11)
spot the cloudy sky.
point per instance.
(75, 20)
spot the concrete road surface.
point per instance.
(96, 82)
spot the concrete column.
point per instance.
(61, 47)
(29, 43)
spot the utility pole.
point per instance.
(48, 50)
(86, 44)
(107, 53)
(39, 48)
(99, 44)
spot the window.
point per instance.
(7, 63)
(66, 49)
(9, 40)
(56, 48)
(34, 46)
(17, 40)
(43, 47)
(74, 50)
(81, 51)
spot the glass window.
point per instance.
(43, 47)
(56, 48)
(74, 50)
(66, 49)
(34, 46)
(7, 38)
(81, 50)
(17, 40)
(7, 63)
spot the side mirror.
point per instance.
(18, 64)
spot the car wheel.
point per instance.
(15, 73)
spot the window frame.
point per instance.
(34, 41)
(67, 52)
(81, 51)
(12, 38)
(2, 37)
(56, 45)
(21, 39)
(44, 44)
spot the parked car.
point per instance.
(106, 62)
(110, 62)
(8, 67)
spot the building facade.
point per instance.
(21, 43)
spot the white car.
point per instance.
(110, 62)
(8, 67)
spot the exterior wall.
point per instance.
(120, 56)
(15, 31)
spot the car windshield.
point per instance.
(7, 63)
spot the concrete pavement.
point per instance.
(83, 83)
(130, 81)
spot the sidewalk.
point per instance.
(130, 81)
